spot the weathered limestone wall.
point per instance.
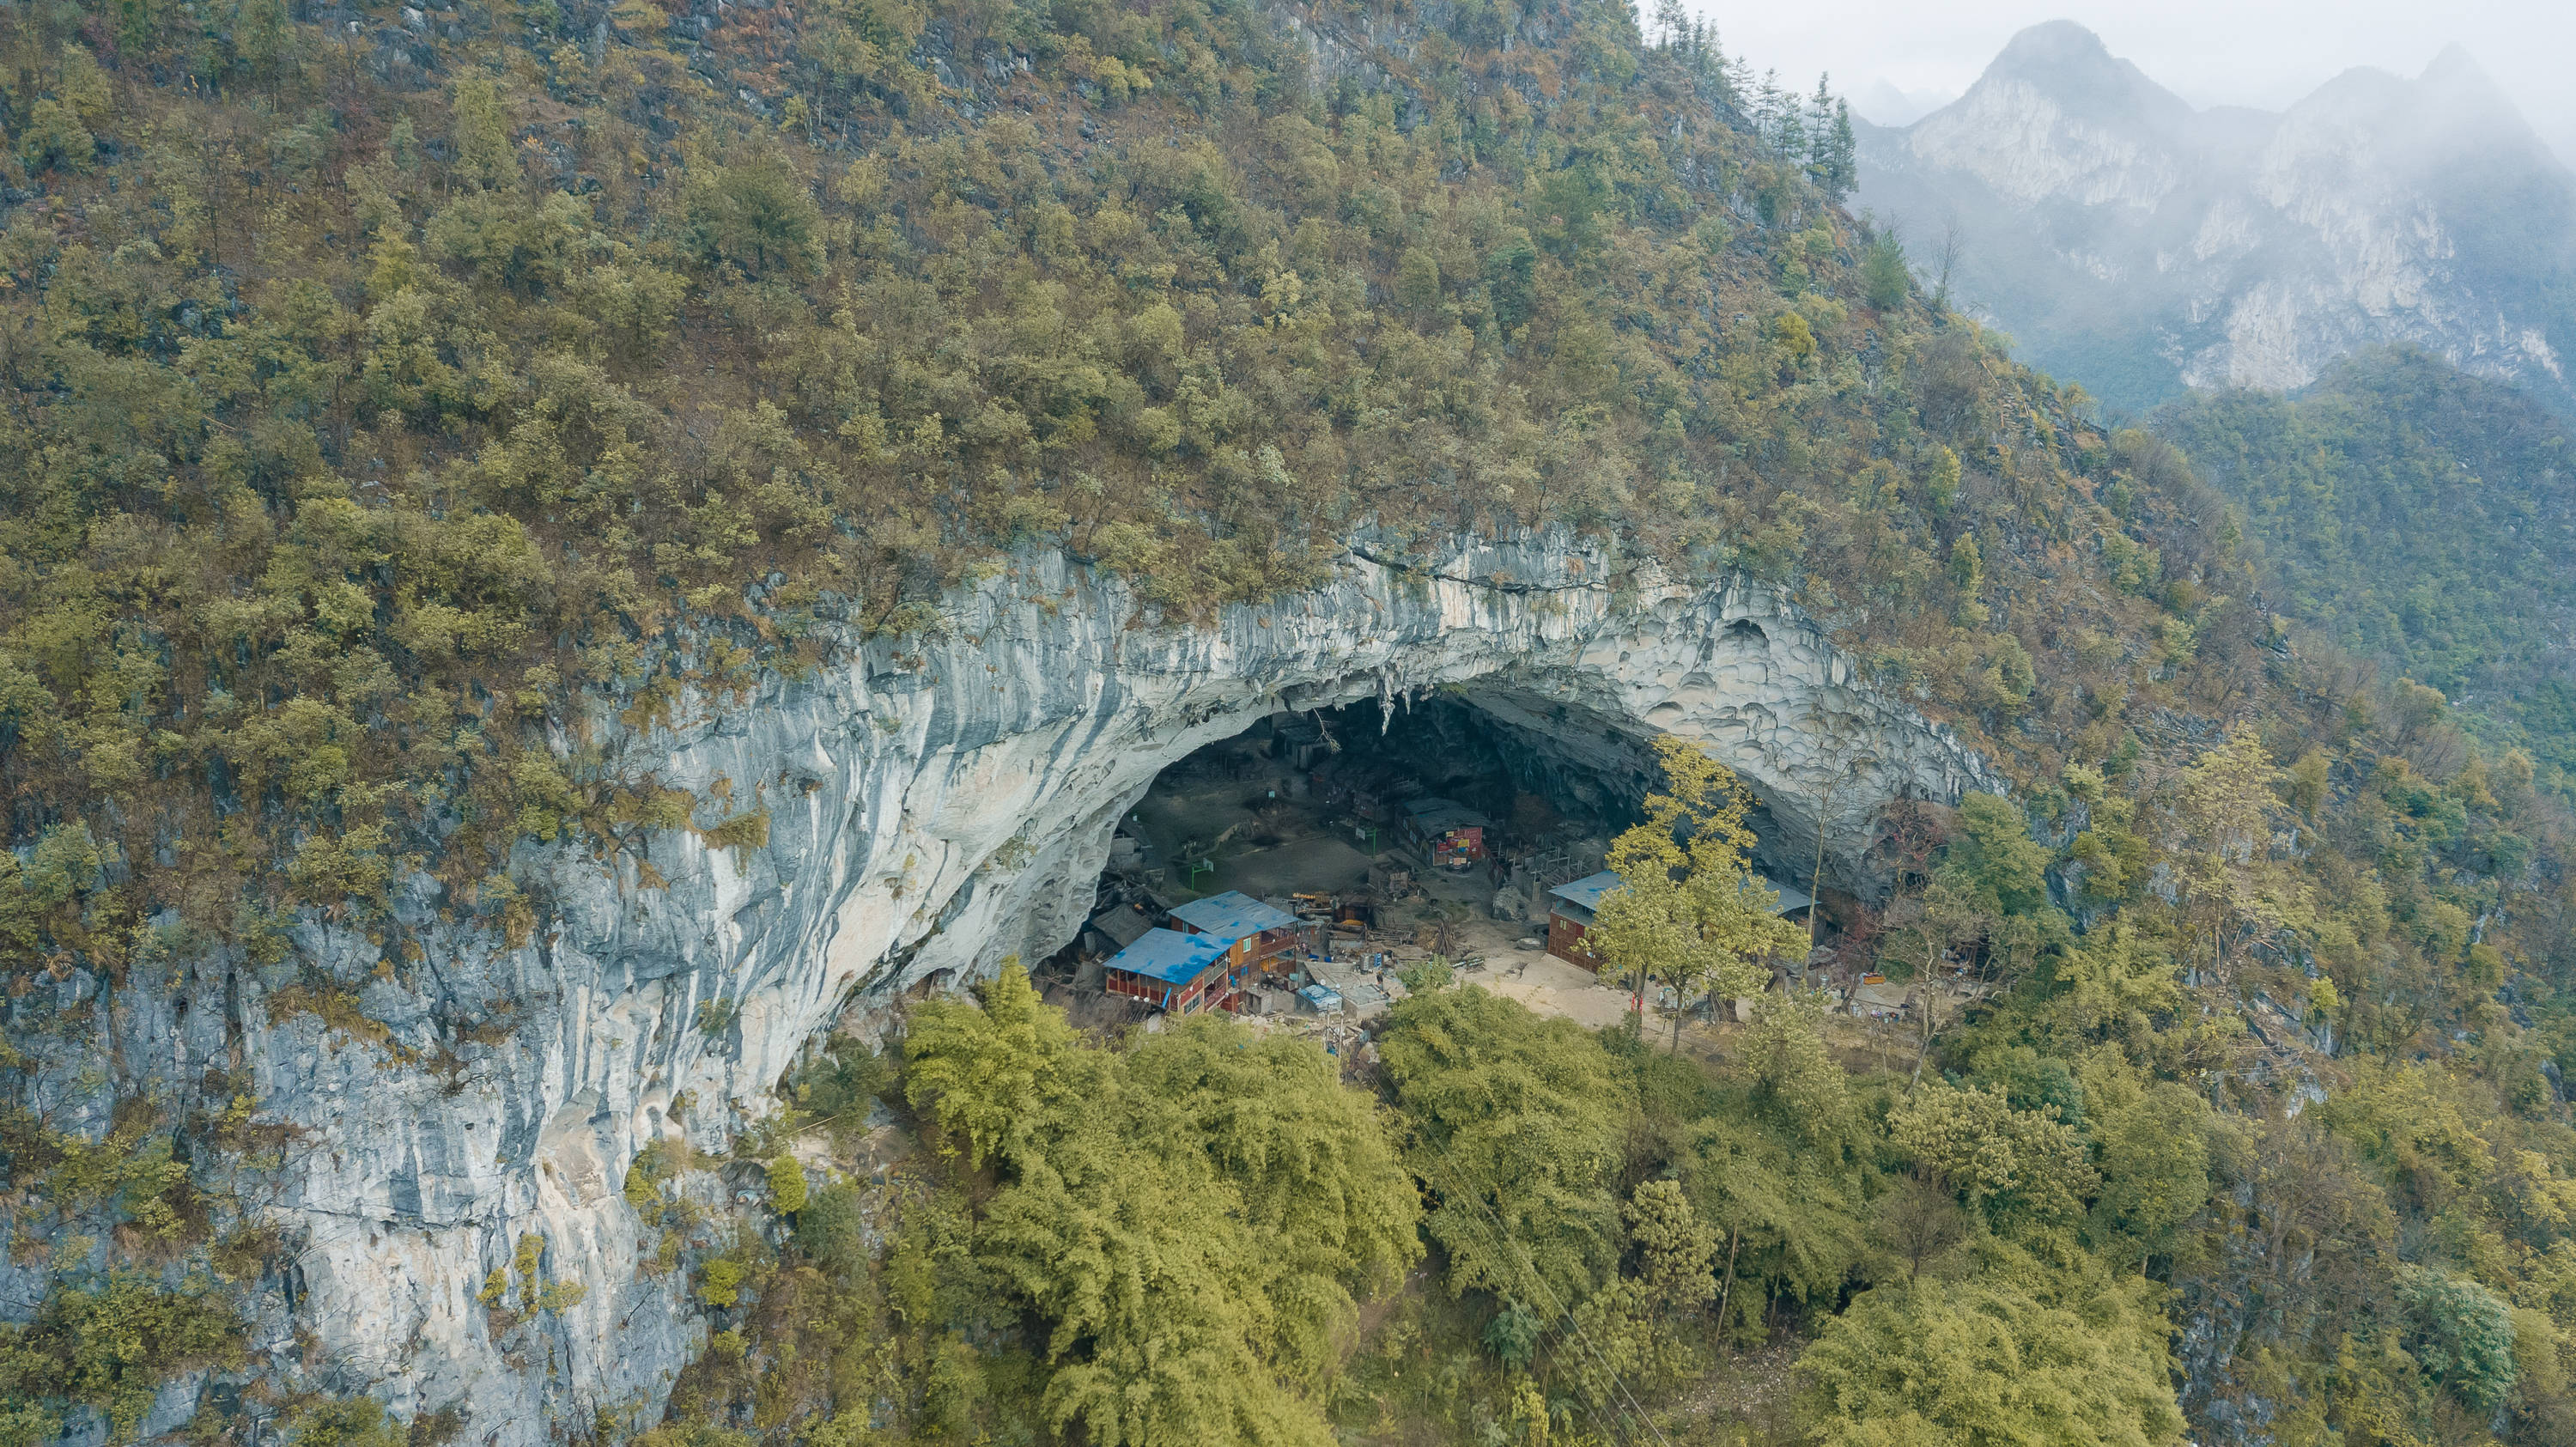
(936, 805)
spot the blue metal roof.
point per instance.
(1169, 956)
(1585, 893)
(1230, 916)
(1792, 898)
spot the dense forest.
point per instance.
(2420, 518)
(395, 394)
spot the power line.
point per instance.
(1600, 1359)
(1502, 1235)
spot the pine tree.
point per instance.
(1694, 43)
(1842, 172)
(1674, 28)
(1819, 123)
(1717, 70)
(1775, 114)
(263, 36)
(481, 133)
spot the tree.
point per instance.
(1993, 858)
(2038, 1346)
(1689, 909)
(2460, 1332)
(1313, 1166)
(1844, 740)
(996, 1072)
(1515, 1128)
(1830, 144)
(1884, 275)
(2011, 1166)
(1625, 1337)
(1188, 1222)
(1945, 257)
(264, 37)
(759, 215)
(480, 133)
(2233, 890)
(1778, 1170)
(1923, 931)
(2152, 1145)
(1999, 874)
(1772, 108)
(2117, 981)
(1842, 165)
(1805, 1096)
(1417, 280)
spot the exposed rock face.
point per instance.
(2140, 246)
(935, 806)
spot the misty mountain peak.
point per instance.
(2098, 216)
(2456, 70)
(2053, 47)
(2070, 65)
(2058, 114)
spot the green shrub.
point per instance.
(2461, 1334)
(721, 1284)
(787, 1184)
(111, 1347)
(1884, 278)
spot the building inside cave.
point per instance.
(1333, 849)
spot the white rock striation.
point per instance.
(935, 805)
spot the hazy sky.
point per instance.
(2245, 52)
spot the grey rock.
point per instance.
(938, 804)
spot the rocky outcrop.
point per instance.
(2141, 246)
(935, 804)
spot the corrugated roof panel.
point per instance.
(1169, 956)
(1586, 892)
(1439, 816)
(1123, 924)
(1792, 899)
(1230, 916)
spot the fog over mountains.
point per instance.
(2139, 245)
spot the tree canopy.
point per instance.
(1188, 1220)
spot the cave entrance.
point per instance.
(1303, 865)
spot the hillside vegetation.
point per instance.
(404, 406)
(2419, 518)
(372, 400)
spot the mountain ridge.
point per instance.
(2142, 246)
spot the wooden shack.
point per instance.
(1449, 834)
(1181, 973)
(1569, 918)
(1247, 930)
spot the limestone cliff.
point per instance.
(935, 804)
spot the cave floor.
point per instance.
(1267, 853)
(1274, 832)
(1271, 840)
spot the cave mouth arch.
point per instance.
(996, 843)
(1324, 801)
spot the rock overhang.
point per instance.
(938, 804)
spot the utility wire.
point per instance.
(1607, 1428)
(1600, 1360)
